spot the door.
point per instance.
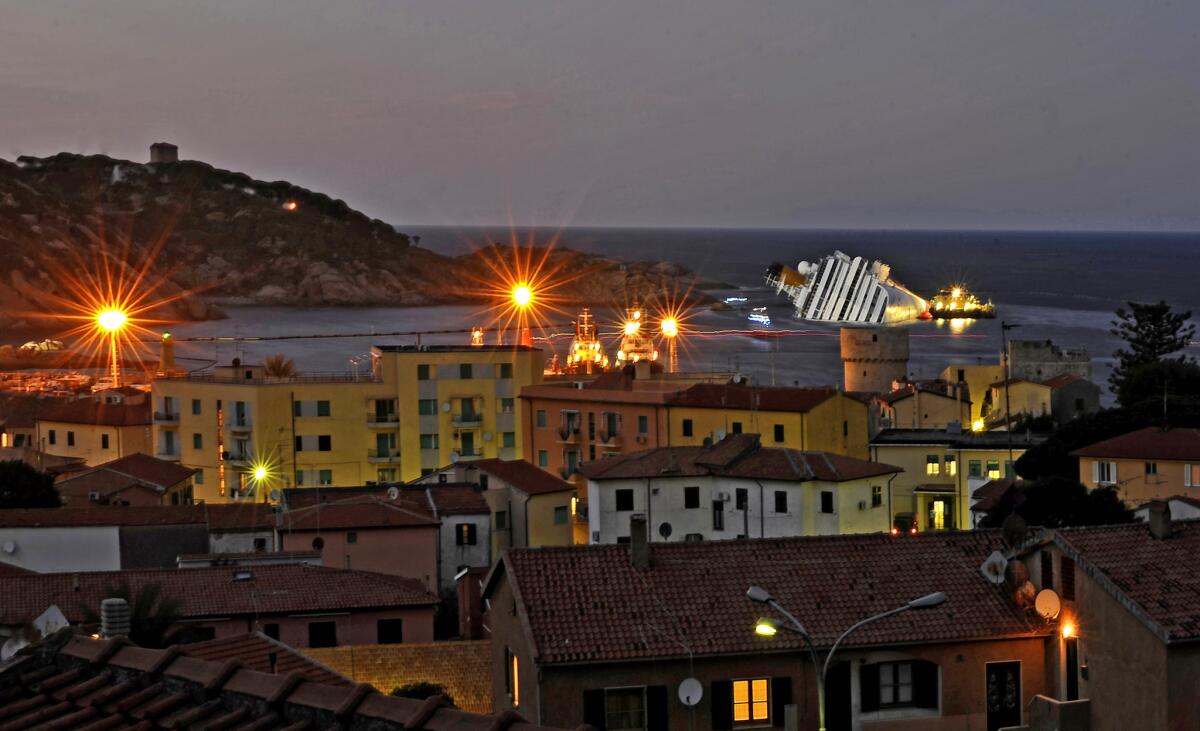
(1072, 648)
(940, 515)
(1003, 694)
(381, 445)
(468, 443)
(837, 698)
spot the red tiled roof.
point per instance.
(737, 455)
(932, 388)
(1149, 443)
(87, 411)
(358, 512)
(250, 556)
(220, 518)
(457, 499)
(1157, 574)
(146, 468)
(1062, 379)
(730, 396)
(254, 650)
(1014, 381)
(610, 611)
(7, 569)
(990, 493)
(526, 477)
(214, 592)
(21, 412)
(67, 682)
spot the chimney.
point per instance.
(1160, 519)
(114, 618)
(639, 542)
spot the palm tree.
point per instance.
(151, 616)
(280, 366)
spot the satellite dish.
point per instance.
(10, 546)
(690, 692)
(50, 621)
(11, 647)
(993, 568)
(393, 493)
(664, 530)
(446, 407)
(454, 456)
(1047, 603)
(275, 495)
(1025, 594)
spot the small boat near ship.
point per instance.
(957, 302)
(759, 315)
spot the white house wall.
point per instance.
(52, 549)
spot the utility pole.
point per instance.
(1004, 328)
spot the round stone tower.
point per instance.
(874, 357)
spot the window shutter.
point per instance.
(1047, 570)
(656, 707)
(722, 705)
(458, 534)
(1066, 573)
(868, 682)
(781, 695)
(925, 684)
(1095, 471)
(593, 708)
(471, 528)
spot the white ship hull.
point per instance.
(841, 289)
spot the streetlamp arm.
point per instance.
(868, 620)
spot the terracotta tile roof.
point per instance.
(610, 611)
(359, 512)
(526, 477)
(932, 388)
(965, 439)
(67, 682)
(148, 469)
(462, 668)
(1149, 443)
(303, 497)
(251, 557)
(457, 499)
(220, 518)
(1157, 575)
(7, 569)
(737, 455)
(254, 650)
(87, 411)
(215, 592)
(1063, 379)
(21, 412)
(730, 396)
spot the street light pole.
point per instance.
(758, 594)
(1004, 328)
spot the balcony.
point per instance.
(168, 456)
(237, 458)
(467, 421)
(382, 421)
(241, 424)
(476, 454)
(166, 417)
(567, 472)
(378, 456)
(610, 440)
(568, 434)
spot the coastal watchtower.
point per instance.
(164, 152)
(874, 357)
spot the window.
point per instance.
(826, 501)
(687, 427)
(736, 427)
(1152, 468)
(562, 514)
(507, 405)
(974, 468)
(933, 465)
(429, 441)
(423, 372)
(845, 428)
(464, 371)
(625, 708)
(427, 407)
(322, 634)
(541, 418)
(324, 443)
(271, 630)
(389, 631)
(323, 408)
(512, 676)
(70, 439)
(386, 474)
(199, 478)
(691, 498)
(750, 700)
(1008, 469)
(718, 515)
(325, 477)
(351, 536)
(297, 409)
(1066, 574)
(624, 499)
(260, 545)
(1104, 472)
(876, 495)
(464, 534)
(643, 424)
(895, 684)
(779, 432)
(505, 370)
(951, 465)
(197, 441)
(104, 441)
(742, 497)
(543, 458)
(781, 501)
(508, 439)
(993, 469)
(1191, 475)
(195, 407)
(52, 436)
(501, 520)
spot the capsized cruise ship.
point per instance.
(847, 290)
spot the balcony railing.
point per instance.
(568, 434)
(382, 420)
(238, 423)
(474, 454)
(467, 420)
(383, 455)
(166, 417)
(242, 457)
(610, 439)
(168, 456)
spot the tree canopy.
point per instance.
(1055, 502)
(23, 486)
(1151, 333)
(422, 690)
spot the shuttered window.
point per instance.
(1066, 571)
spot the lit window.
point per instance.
(951, 466)
(750, 701)
(993, 469)
(933, 465)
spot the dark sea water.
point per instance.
(1058, 286)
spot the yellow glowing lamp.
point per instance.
(631, 327)
(522, 295)
(1068, 630)
(670, 327)
(977, 425)
(260, 474)
(111, 320)
(766, 628)
(956, 293)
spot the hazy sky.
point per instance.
(838, 113)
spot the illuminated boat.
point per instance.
(957, 302)
(842, 289)
(636, 344)
(759, 315)
(587, 353)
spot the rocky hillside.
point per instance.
(219, 237)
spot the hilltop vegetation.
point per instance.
(219, 237)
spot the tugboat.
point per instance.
(587, 354)
(956, 302)
(636, 345)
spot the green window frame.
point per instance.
(427, 407)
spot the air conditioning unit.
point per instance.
(862, 504)
(94, 496)
(723, 497)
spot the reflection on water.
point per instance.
(957, 325)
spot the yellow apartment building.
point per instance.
(94, 430)
(420, 407)
(806, 419)
(1023, 398)
(1147, 464)
(942, 469)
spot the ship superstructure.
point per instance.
(587, 353)
(839, 288)
(636, 343)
